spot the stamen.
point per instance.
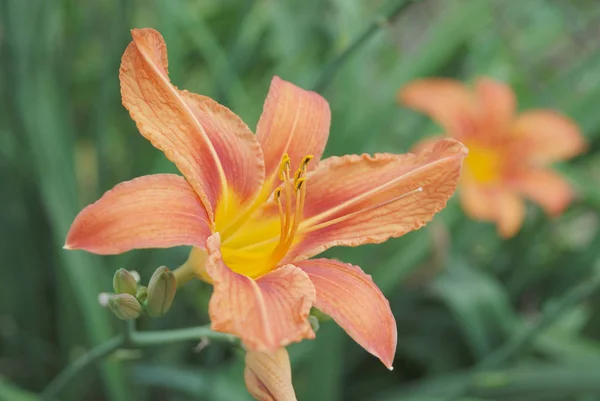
(285, 165)
(297, 176)
(288, 200)
(290, 219)
(304, 163)
(300, 183)
(300, 197)
(350, 215)
(282, 217)
(277, 195)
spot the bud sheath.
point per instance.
(125, 306)
(124, 282)
(161, 291)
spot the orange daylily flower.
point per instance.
(509, 154)
(255, 208)
(268, 376)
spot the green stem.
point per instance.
(79, 365)
(151, 338)
(128, 332)
(131, 339)
(523, 339)
(378, 23)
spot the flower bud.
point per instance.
(125, 306)
(124, 282)
(142, 294)
(268, 376)
(161, 291)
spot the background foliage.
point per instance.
(459, 293)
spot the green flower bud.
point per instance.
(142, 294)
(124, 282)
(125, 306)
(161, 291)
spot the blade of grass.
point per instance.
(40, 117)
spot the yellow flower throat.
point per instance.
(484, 163)
(254, 240)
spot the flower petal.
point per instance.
(267, 313)
(352, 299)
(210, 145)
(426, 143)
(547, 136)
(494, 203)
(511, 212)
(294, 121)
(268, 376)
(446, 101)
(354, 200)
(497, 102)
(548, 189)
(477, 201)
(154, 211)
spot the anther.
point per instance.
(297, 176)
(305, 160)
(299, 183)
(284, 166)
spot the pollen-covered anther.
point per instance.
(299, 183)
(277, 196)
(285, 167)
(304, 163)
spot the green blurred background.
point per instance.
(458, 292)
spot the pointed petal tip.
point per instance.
(356, 304)
(450, 143)
(67, 247)
(387, 360)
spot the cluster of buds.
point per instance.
(131, 299)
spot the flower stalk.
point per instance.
(130, 338)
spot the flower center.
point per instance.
(265, 236)
(484, 164)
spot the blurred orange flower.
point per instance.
(509, 154)
(252, 220)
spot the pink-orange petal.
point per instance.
(154, 211)
(294, 121)
(446, 101)
(511, 212)
(552, 192)
(426, 143)
(268, 376)
(497, 104)
(354, 200)
(546, 136)
(497, 203)
(352, 299)
(477, 201)
(267, 313)
(210, 145)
